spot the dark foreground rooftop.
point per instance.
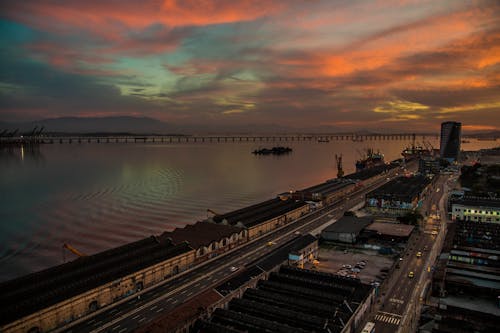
(293, 300)
(40, 290)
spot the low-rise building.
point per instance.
(476, 209)
(295, 300)
(327, 192)
(208, 239)
(389, 231)
(346, 230)
(399, 196)
(45, 300)
(429, 166)
(264, 217)
(466, 279)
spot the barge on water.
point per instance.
(273, 151)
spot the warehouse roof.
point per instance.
(481, 202)
(201, 233)
(328, 187)
(293, 300)
(401, 188)
(261, 212)
(36, 291)
(349, 224)
(391, 229)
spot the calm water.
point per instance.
(98, 196)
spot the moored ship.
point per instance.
(370, 160)
(273, 151)
(416, 151)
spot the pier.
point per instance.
(320, 138)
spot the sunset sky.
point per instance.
(362, 65)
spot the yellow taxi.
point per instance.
(411, 275)
(419, 254)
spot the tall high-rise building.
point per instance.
(450, 140)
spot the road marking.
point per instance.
(184, 291)
(190, 293)
(387, 319)
(142, 319)
(174, 301)
(135, 317)
(122, 330)
(159, 310)
(395, 300)
(153, 307)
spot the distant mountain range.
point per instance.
(121, 124)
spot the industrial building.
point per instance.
(450, 140)
(264, 217)
(208, 239)
(429, 166)
(476, 209)
(182, 318)
(389, 231)
(327, 192)
(295, 300)
(346, 230)
(399, 196)
(466, 281)
(53, 297)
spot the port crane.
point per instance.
(211, 211)
(72, 250)
(338, 160)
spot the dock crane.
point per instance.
(338, 160)
(72, 250)
(211, 211)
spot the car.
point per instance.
(434, 232)
(400, 258)
(411, 275)
(233, 268)
(355, 270)
(419, 254)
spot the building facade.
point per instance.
(450, 140)
(476, 209)
(52, 298)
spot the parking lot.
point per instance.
(350, 263)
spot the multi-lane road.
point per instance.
(152, 302)
(400, 296)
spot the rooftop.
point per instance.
(391, 229)
(201, 233)
(258, 213)
(292, 300)
(401, 188)
(477, 201)
(36, 291)
(328, 187)
(189, 310)
(349, 224)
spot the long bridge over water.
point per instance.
(321, 138)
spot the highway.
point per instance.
(401, 293)
(152, 302)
